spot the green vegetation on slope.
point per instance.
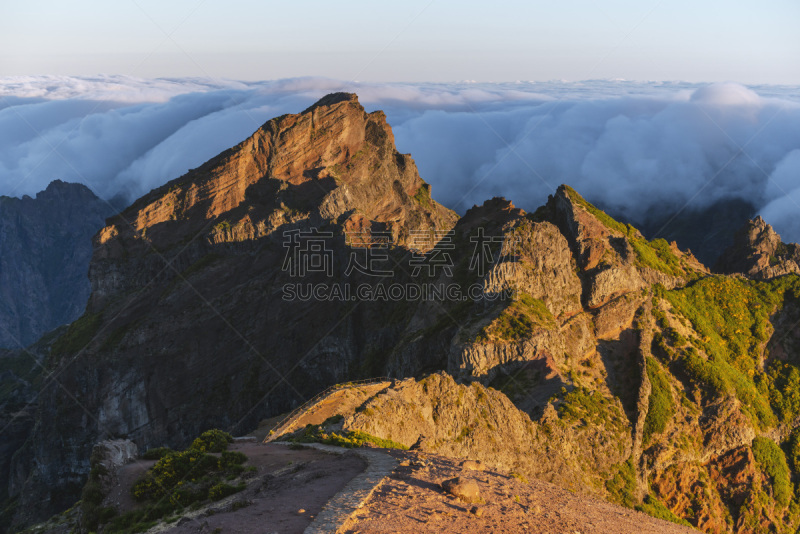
(350, 439)
(655, 508)
(732, 317)
(582, 405)
(423, 196)
(655, 254)
(772, 460)
(661, 405)
(518, 321)
(622, 485)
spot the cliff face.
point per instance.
(603, 361)
(45, 248)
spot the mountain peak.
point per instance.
(332, 164)
(333, 99)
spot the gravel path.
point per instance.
(349, 499)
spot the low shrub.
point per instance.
(229, 459)
(220, 491)
(213, 440)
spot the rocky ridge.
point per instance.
(758, 252)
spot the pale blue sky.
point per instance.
(415, 40)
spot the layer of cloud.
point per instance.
(637, 149)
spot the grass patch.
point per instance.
(657, 255)
(518, 321)
(423, 196)
(600, 215)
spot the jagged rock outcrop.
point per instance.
(758, 253)
(45, 248)
(473, 421)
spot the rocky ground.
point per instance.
(309, 488)
(412, 500)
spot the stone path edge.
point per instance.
(344, 504)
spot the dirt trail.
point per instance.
(285, 494)
(298, 490)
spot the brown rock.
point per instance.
(465, 489)
(472, 465)
(759, 253)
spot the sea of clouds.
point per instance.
(637, 149)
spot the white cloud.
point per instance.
(635, 148)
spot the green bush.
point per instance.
(773, 462)
(175, 468)
(180, 479)
(213, 440)
(229, 459)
